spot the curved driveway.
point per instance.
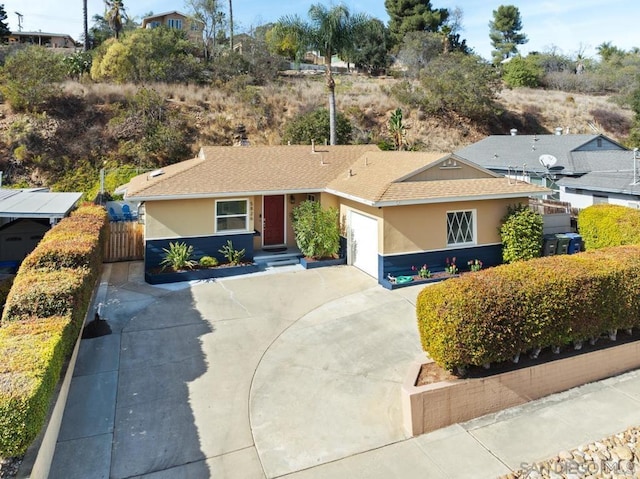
(250, 377)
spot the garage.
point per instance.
(363, 244)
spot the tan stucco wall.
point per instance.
(424, 227)
(182, 218)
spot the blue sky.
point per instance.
(567, 25)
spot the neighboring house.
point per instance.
(25, 215)
(178, 21)
(51, 40)
(614, 178)
(397, 209)
(545, 159)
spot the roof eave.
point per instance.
(227, 194)
(456, 199)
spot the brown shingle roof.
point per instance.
(362, 172)
(229, 169)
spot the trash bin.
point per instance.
(575, 243)
(563, 243)
(549, 245)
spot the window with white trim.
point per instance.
(232, 215)
(174, 23)
(461, 227)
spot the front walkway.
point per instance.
(294, 374)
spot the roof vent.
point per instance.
(513, 131)
(313, 146)
(156, 173)
(350, 173)
(559, 130)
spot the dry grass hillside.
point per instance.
(367, 103)
(66, 146)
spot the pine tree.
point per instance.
(413, 15)
(4, 29)
(505, 32)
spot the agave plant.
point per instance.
(178, 256)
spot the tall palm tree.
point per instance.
(85, 20)
(330, 31)
(114, 15)
(231, 25)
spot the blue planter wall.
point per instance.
(398, 265)
(202, 246)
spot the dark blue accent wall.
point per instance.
(437, 260)
(202, 246)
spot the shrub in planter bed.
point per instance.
(609, 225)
(495, 314)
(33, 353)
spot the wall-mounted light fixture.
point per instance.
(292, 199)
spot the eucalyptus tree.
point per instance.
(329, 31)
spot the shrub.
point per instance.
(521, 234)
(495, 314)
(316, 229)
(178, 256)
(41, 321)
(33, 354)
(314, 126)
(5, 287)
(233, 256)
(30, 78)
(522, 72)
(43, 294)
(609, 225)
(208, 262)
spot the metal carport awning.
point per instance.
(36, 204)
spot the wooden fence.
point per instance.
(125, 243)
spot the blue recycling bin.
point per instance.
(575, 243)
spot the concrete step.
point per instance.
(282, 262)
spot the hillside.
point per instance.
(89, 127)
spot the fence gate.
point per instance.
(125, 243)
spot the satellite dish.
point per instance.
(547, 160)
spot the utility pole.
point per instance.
(20, 15)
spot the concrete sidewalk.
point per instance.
(295, 374)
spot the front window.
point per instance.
(460, 227)
(232, 215)
(175, 23)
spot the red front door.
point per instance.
(273, 220)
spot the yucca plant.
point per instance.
(178, 256)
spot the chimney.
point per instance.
(559, 130)
(513, 131)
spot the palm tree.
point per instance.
(114, 15)
(231, 25)
(329, 31)
(85, 20)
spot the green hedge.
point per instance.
(42, 294)
(76, 241)
(609, 225)
(33, 352)
(494, 314)
(42, 319)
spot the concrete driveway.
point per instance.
(251, 377)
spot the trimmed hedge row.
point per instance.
(42, 319)
(33, 352)
(495, 314)
(609, 225)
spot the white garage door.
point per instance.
(364, 243)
